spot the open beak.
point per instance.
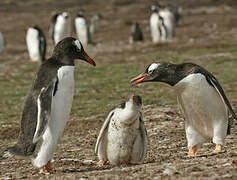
(139, 78)
(88, 59)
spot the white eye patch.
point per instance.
(78, 44)
(153, 66)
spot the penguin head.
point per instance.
(155, 72)
(65, 15)
(70, 48)
(136, 99)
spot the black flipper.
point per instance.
(213, 82)
(44, 102)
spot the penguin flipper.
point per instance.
(144, 137)
(44, 102)
(103, 130)
(211, 79)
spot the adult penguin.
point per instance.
(48, 104)
(36, 43)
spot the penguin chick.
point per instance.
(123, 137)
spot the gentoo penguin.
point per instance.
(60, 27)
(123, 137)
(178, 14)
(201, 98)
(169, 22)
(95, 22)
(36, 43)
(82, 28)
(2, 44)
(136, 33)
(48, 104)
(158, 28)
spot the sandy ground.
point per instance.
(167, 151)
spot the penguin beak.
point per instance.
(86, 58)
(139, 79)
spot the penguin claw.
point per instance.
(101, 163)
(47, 169)
(218, 149)
(192, 151)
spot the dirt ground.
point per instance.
(205, 24)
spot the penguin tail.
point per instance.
(17, 151)
(230, 123)
(5, 154)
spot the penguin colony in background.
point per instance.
(123, 138)
(36, 43)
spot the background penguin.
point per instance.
(82, 28)
(95, 22)
(2, 43)
(48, 104)
(123, 137)
(36, 43)
(136, 33)
(158, 29)
(201, 99)
(60, 27)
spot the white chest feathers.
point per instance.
(63, 28)
(60, 110)
(33, 44)
(204, 110)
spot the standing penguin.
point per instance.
(169, 22)
(60, 27)
(48, 104)
(158, 28)
(201, 99)
(36, 43)
(123, 137)
(2, 43)
(82, 28)
(136, 33)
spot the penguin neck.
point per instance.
(64, 60)
(174, 73)
(130, 111)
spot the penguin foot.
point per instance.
(101, 163)
(47, 169)
(192, 151)
(218, 149)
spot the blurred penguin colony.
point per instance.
(162, 22)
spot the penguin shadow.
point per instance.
(206, 155)
(88, 169)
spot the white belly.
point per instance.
(33, 44)
(154, 25)
(60, 110)
(121, 139)
(202, 106)
(62, 28)
(82, 30)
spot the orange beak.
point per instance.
(88, 59)
(138, 79)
